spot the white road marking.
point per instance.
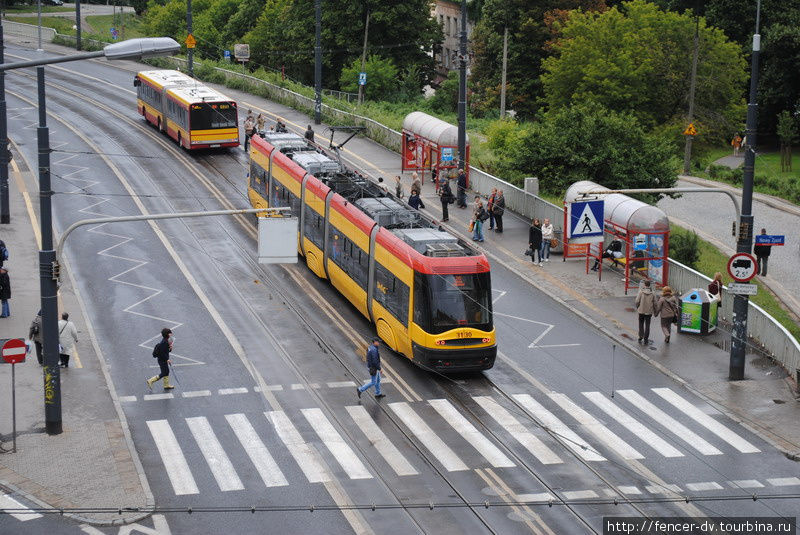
(342, 451)
(275, 388)
(215, 456)
(502, 293)
(172, 458)
(298, 386)
(579, 494)
(341, 384)
(746, 484)
(706, 421)
(539, 497)
(528, 440)
(259, 454)
(229, 391)
(633, 425)
(783, 481)
(127, 399)
(385, 447)
(7, 504)
(151, 397)
(705, 485)
(465, 428)
(196, 393)
(625, 489)
(429, 439)
(681, 431)
(663, 489)
(307, 459)
(551, 421)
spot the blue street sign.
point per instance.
(362, 78)
(227, 54)
(114, 33)
(586, 220)
(447, 154)
(768, 239)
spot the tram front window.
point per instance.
(211, 115)
(445, 302)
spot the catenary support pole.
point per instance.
(745, 242)
(363, 59)
(78, 44)
(5, 215)
(39, 25)
(503, 75)
(462, 90)
(687, 153)
(318, 62)
(190, 50)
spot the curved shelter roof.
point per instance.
(440, 132)
(621, 210)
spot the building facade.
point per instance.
(448, 14)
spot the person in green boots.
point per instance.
(161, 352)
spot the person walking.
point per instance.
(490, 207)
(736, 143)
(446, 197)
(260, 121)
(762, 256)
(479, 215)
(67, 338)
(3, 252)
(416, 183)
(35, 334)
(414, 201)
(461, 188)
(161, 352)
(5, 292)
(668, 308)
(398, 187)
(309, 135)
(535, 240)
(374, 367)
(547, 235)
(498, 210)
(645, 307)
(249, 125)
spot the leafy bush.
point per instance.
(445, 100)
(685, 248)
(381, 77)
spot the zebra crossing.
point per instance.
(630, 426)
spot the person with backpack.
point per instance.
(3, 252)
(446, 197)
(374, 367)
(161, 352)
(35, 334)
(5, 292)
(67, 338)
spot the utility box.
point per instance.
(277, 240)
(698, 312)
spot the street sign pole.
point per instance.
(13, 408)
(14, 351)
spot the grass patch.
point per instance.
(712, 260)
(59, 24)
(102, 24)
(11, 10)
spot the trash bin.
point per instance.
(698, 312)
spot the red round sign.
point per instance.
(742, 267)
(14, 351)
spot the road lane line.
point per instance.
(340, 449)
(9, 504)
(551, 421)
(579, 494)
(746, 484)
(704, 485)
(212, 450)
(265, 464)
(706, 421)
(153, 397)
(127, 399)
(304, 455)
(380, 441)
(634, 426)
(229, 391)
(429, 439)
(626, 489)
(465, 428)
(783, 481)
(196, 393)
(172, 458)
(528, 440)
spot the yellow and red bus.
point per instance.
(194, 115)
(427, 292)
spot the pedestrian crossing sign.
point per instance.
(585, 221)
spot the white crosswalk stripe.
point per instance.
(265, 465)
(380, 441)
(465, 428)
(11, 506)
(706, 421)
(551, 421)
(343, 453)
(218, 462)
(306, 457)
(429, 439)
(172, 458)
(671, 424)
(633, 425)
(600, 431)
(528, 440)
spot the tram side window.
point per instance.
(392, 293)
(314, 227)
(258, 179)
(352, 259)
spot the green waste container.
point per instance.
(698, 312)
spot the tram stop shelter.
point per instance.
(643, 230)
(429, 144)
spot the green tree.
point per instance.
(787, 134)
(685, 247)
(381, 78)
(779, 83)
(586, 142)
(445, 100)
(638, 59)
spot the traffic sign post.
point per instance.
(770, 239)
(362, 78)
(14, 351)
(742, 267)
(585, 221)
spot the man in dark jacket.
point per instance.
(310, 134)
(414, 201)
(462, 189)
(446, 196)
(5, 292)
(374, 367)
(498, 209)
(35, 334)
(161, 352)
(762, 256)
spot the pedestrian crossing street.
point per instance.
(596, 429)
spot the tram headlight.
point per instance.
(487, 340)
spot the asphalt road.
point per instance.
(266, 358)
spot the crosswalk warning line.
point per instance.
(528, 440)
(343, 453)
(265, 465)
(470, 433)
(600, 431)
(304, 455)
(671, 424)
(380, 441)
(706, 421)
(429, 439)
(633, 425)
(551, 421)
(11, 506)
(172, 458)
(219, 463)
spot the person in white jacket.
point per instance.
(67, 338)
(547, 235)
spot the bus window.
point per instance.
(211, 115)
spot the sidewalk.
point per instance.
(93, 463)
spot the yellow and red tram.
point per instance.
(427, 292)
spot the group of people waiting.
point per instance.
(540, 239)
(257, 125)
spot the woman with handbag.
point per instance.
(668, 308)
(535, 240)
(547, 236)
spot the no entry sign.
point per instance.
(14, 351)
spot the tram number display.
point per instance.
(465, 334)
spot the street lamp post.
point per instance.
(48, 275)
(462, 90)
